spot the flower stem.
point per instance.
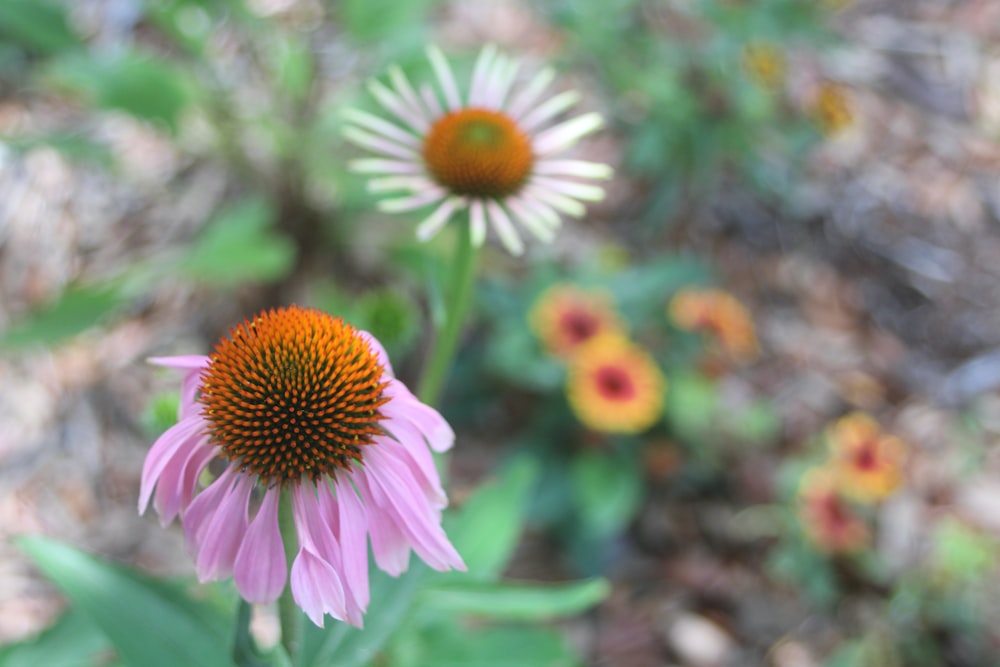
(288, 611)
(462, 281)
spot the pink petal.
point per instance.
(316, 585)
(353, 536)
(170, 449)
(379, 351)
(216, 522)
(404, 405)
(407, 445)
(176, 486)
(418, 520)
(186, 362)
(260, 568)
(389, 545)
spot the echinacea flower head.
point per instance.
(826, 517)
(868, 462)
(299, 407)
(566, 316)
(720, 314)
(832, 108)
(492, 150)
(764, 63)
(614, 385)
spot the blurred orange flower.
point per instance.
(764, 63)
(826, 518)
(718, 312)
(867, 462)
(832, 108)
(564, 316)
(615, 386)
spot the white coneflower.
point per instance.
(493, 153)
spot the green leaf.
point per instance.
(76, 310)
(515, 602)
(488, 527)
(445, 642)
(37, 25)
(132, 82)
(345, 646)
(373, 20)
(239, 246)
(607, 487)
(150, 623)
(72, 641)
(692, 405)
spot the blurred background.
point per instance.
(169, 167)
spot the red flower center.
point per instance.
(579, 325)
(615, 383)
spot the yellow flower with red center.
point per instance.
(764, 64)
(565, 316)
(867, 462)
(615, 386)
(832, 108)
(719, 313)
(826, 517)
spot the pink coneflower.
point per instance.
(297, 403)
(491, 152)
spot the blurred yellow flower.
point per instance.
(565, 316)
(826, 518)
(832, 108)
(615, 386)
(868, 463)
(764, 63)
(719, 313)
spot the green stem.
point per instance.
(463, 280)
(288, 611)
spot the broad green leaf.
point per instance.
(73, 641)
(515, 602)
(149, 622)
(692, 405)
(37, 25)
(239, 246)
(607, 487)
(345, 646)
(76, 310)
(132, 82)
(488, 527)
(446, 642)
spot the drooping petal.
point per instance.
(353, 534)
(223, 532)
(389, 545)
(177, 484)
(260, 569)
(404, 405)
(170, 449)
(316, 586)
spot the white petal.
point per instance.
(573, 168)
(477, 222)
(381, 166)
(431, 100)
(397, 183)
(445, 77)
(542, 210)
(406, 91)
(506, 73)
(520, 103)
(505, 228)
(433, 223)
(530, 220)
(410, 203)
(383, 127)
(583, 191)
(564, 134)
(551, 108)
(557, 201)
(378, 144)
(480, 73)
(395, 104)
